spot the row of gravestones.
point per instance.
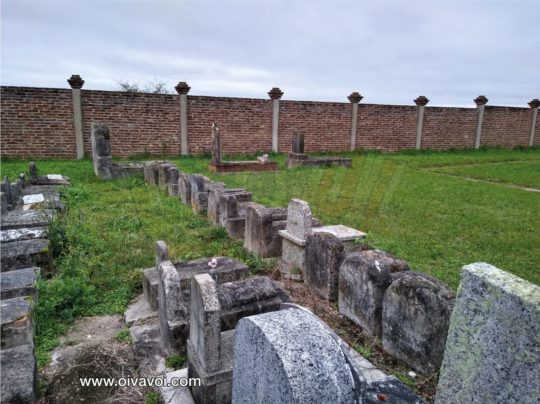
(317, 252)
(27, 209)
(411, 312)
(260, 228)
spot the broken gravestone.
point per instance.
(101, 150)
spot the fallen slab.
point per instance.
(27, 253)
(8, 236)
(17, 219)
(21, 282)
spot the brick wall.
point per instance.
(246, 124)
(38, 122)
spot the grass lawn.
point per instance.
(436, 222)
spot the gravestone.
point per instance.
(492, 349)
(32, 168)
(287, 356)
(151, 287)
(232, 215)
(299, 224)
(363, 280)
(16, 322)
(18, 372)
(101, 150)
(19, 283)
(172, 187)
(184, 188)
(415, 319)
(262, 228)
(298, 143)
(6, 189)
(27, 253)
(209, 349)
(324, 255)
(216, 144)
(3, 202)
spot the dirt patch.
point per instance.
(91, 350)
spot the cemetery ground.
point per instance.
(436, 210)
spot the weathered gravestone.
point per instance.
(215, 311)
(101, 150)
(289, 357)
(172, 186)
(492, 350)
(299, 223)
(16, 322)
(363, 280)
(216, 144)
(262, 228)
(184, 188)
(232, 213)
(415, 319)
(27, 253)
(19, 283)
(214, 196)
(18, 372)
(324, 255)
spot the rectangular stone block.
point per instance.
(492, 349)
(16, 322)
(151, 287)
(8, 236)
(262, 228)
(18, 372)
(27, 253)
(21, 282)
(17, 219)
(184, 188)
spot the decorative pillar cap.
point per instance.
(534, 103)
(421, 101)
(75, 81)
(481, 100)
(355, 97)
(275, 93)
(182, 88)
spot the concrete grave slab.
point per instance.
(18, 372)
(18, 283)
(25, 219)
(16, 322)
(262, 228)
(27, 253)
(151, 287)
(8, 236)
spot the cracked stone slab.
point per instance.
(18, 372)
(8, 236)
(17, 219)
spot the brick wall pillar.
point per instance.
(480, 102)
(534, 104)
(275, 94)
(354, 99)
(421, 103)
(76, 83)
(183, 89)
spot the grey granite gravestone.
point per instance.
(288, 357)
(262, 228)
(492, 349)
(101, 150)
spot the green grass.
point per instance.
(523, 173)
(436, 222)
(176, 362)
(363, 350)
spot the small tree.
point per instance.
(153, 87)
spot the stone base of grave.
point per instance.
(20, 282)
(236, 227)
(300, 160)
(215, 387)
(293, 255)
(126, 169)
(242, 166)
(19, 374)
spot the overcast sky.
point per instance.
(389, 51)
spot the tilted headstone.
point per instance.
(324, 255)
(287, 356)
(262, 228)
(415, 319)
(184, 188)
(173, 181)
(101, 150)
(363, 280)
(492, 349)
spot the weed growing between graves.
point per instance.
(176, 362)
